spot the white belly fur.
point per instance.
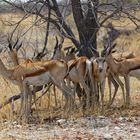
(38, 80)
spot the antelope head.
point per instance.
(98, 60)
(71, 54)
(39, 55)
(58, 53)
(13, 49)
(108, 49)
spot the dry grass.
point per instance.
(37, 33)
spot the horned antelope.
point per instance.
(40, 73)
(125, 68)
(78, 74)
(97, 68)
(17, 75)
(117, 57)
(12, 50)
(58, 53)
(112, 34)
(67, 54)
(77, 68)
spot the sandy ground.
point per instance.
(87, 128)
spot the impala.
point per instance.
(13, 49)
(117, 57)
(77, 67)
(97, 72)
(125, 68)
(36, 74)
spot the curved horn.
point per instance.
(16, 43)
(62, 40)
(95, 52)
(9, 44)
(18, 47)
(56, 45)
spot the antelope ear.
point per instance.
(56, 45)
(19, 46)
(113, 46)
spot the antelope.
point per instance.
(113, 34)
(40, 73)
(22, 73)
(77, 68)
(97, 72)
(13, 50)
(95, 69)
(68, 54)
(125, 68)
(78, 74)
(58, 53)
(117, 57)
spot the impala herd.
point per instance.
(69, 72)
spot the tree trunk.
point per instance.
(92, 23)
(86, 25)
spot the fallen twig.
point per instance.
(16, 97)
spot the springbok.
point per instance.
(58, 53)
(69, 55)
(78, 75)
(13, 49)
(97, 72)
(125, 68)
(38, 73)
(117, 57)
(77, 68)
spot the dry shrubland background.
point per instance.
(33, 39)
